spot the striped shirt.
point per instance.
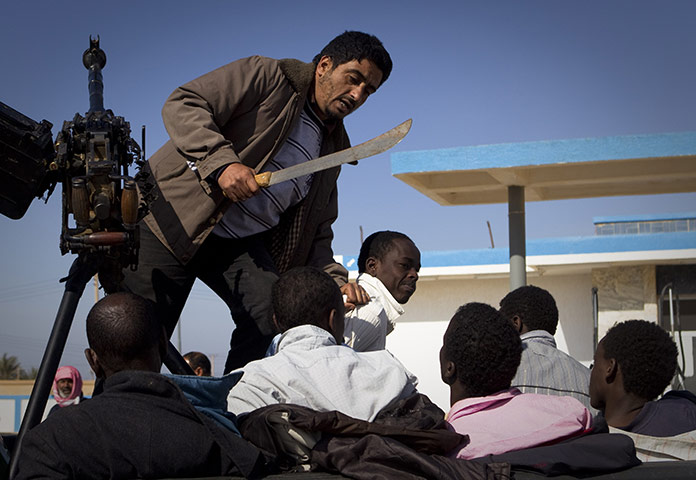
(547, 370)
(662, 449)
(262, 211)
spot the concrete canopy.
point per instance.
(553, 170)
(550, 170)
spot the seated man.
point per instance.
(480, 355)
(311, 368)
(140, 426)
(388, 265)
(633, 364)
(199, 363)
(543, 368)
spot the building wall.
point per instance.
(417, 338)
(625, 293)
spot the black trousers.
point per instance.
(240, 272)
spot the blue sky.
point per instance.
(468, 73)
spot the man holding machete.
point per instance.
(209, 218)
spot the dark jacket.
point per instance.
(241, 112)
(407, 440)
(141, 426)
(594, 453)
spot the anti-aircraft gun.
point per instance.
(90, 160)
(94, 153)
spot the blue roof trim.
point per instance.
(554, 246)
(645, 218)
(506, 155)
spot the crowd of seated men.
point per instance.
(511, 389)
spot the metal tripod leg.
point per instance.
(81, 271)
(176, 363)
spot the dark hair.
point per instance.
(535, 307)
(357, 46)
(123, 326)
(378, 245)
(198, 359)
(484, 347)
(304, 296)
(646, 355)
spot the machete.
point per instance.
(353, 154)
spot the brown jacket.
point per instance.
(241, 112)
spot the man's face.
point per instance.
(340, 90)
(597, 379)
(65, 387)
(398, 270)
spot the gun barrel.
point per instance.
(94, 59)
(96, 90)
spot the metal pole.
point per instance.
(671, 313)
(175, 362)
(595, 319)
(178, 335)
(80, 274)
(490, 233)
(518, 267)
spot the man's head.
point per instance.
(67, 384)
(636, 358)
(308, 296)
(530, 308)
(124, 333)
(394, 259)
(480, 353)
(347, 71)
(199, 363)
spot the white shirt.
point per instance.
(310, 370)
(367, 326)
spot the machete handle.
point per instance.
(263, 179)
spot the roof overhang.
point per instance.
(553, 170)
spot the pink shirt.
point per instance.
(511, 420)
